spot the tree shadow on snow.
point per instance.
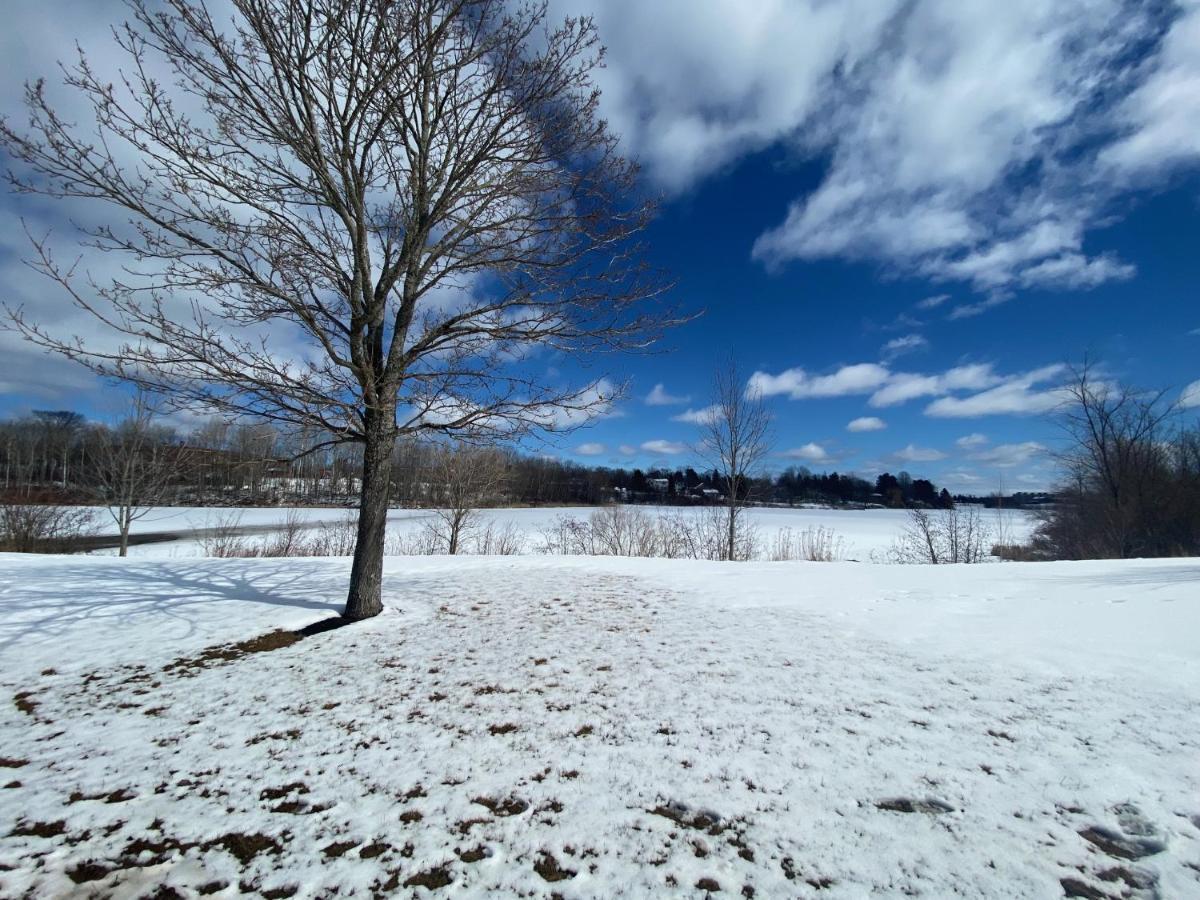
(41, 604)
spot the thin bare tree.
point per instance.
(464, 477)
(735, 439)
(352, 215)
(134, 464)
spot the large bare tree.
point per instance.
(735, 440)
(358, 215)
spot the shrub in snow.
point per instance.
(43, 529)
(957, 535)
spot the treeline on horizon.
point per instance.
(48, 456)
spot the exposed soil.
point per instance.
(511, 806)
(550, 870)
(39, 829)
(264, 643)
(433, 879)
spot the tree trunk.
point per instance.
(366, 573)
(126, 521)
(731, 537)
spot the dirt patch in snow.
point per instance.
(264, 643)
(39, 829)
(549, 868)
(510, 806)
(432, 879)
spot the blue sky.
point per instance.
(907, 216)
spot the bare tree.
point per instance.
(465, 477)
(352, 215)
(1122, 476)
(133, 466)
(735, 439)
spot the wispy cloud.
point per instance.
(591, 449)
(971, 441)
(798, 384)
(1014, 396)
(933, 302)
(1190, 396)
(910, 343)
(664, 448)
(1008, 455)
(990, 393)
(912, 453)
(659, 396)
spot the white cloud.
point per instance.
(1190, 396)
(627, 450)
(913, 453)
(866, 423)
(591, 449)
(964, 141)
(906, 344)
(1014, 396)
(664, 448)
(660, 397)
(1009, 455)
(992, 393)
(971, 441)
(702, 416)
(798, 384)
(693, 87)
(1159, 117)
(904, 386)
(811, 452)
(933, 302)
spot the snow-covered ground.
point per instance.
(600, 727)
(863, 531)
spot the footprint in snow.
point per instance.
(1137, 837)
(928, 806)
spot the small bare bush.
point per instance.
(494, 539)
(818, 544)
(629, 531)
(335, 538)
(422, 541)
(933, 537)
(44, 529)
(223, 537)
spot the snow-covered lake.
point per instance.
(864, 532)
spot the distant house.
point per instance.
(659, 484)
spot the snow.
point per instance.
(799, 729)
(864, 531)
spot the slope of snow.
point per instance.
(602, 727)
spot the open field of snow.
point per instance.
(601, 727)
(864, 531)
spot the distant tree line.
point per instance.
(57, 456)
